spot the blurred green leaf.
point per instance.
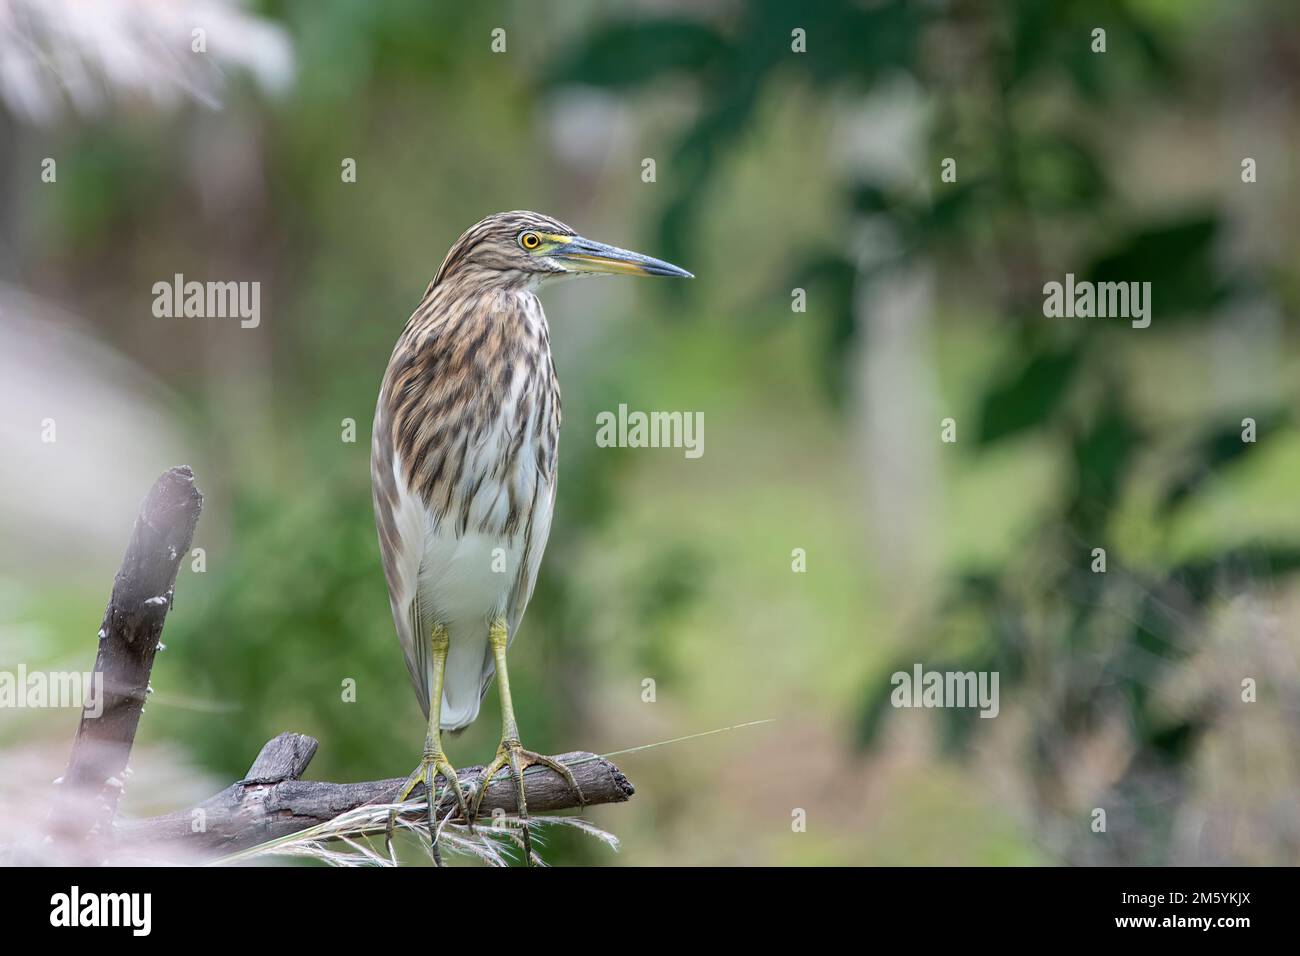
(1030, 395)
(629, 54)
(1218, 446)
(1235, 568)
(1176, 258)
(1102, 456)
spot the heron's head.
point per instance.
(524, 248)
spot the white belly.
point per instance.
(466, 578)
(465, 584)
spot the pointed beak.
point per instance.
(581, 256)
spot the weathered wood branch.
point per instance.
(271, 801)
(128, 641)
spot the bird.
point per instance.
(464, 457)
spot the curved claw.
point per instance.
(512, 754)
(431, 765)
(449, 773)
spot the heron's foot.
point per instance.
(512, 755)
(433, 764)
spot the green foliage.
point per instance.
(1030, 173)
(731, 66)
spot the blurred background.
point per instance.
(775, 170)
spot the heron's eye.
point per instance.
(530, 240)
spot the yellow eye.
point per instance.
(530, 240)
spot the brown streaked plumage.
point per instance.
(463, 463)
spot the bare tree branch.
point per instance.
(128, 641)
(272, 802)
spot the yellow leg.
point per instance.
(509, 752)
(434, 761)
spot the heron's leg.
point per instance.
(509, 752)
(433, 761)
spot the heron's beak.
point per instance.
(585, 256)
